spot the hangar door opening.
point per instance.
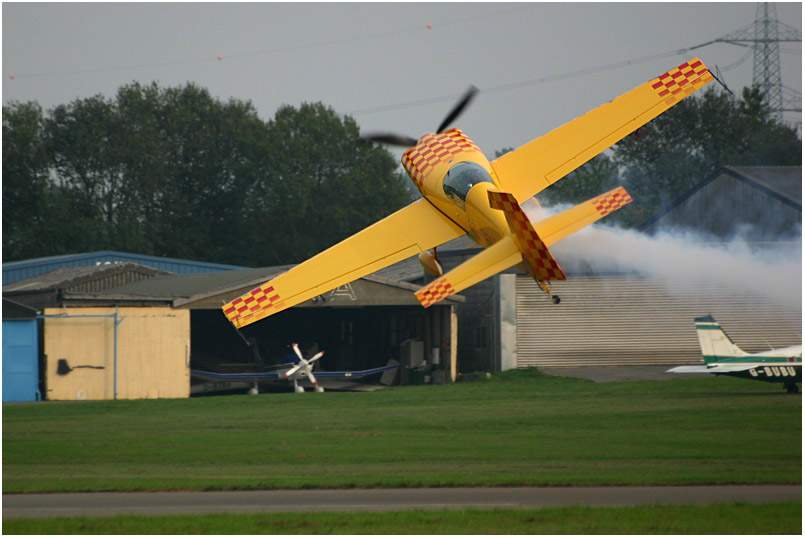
(355, 338)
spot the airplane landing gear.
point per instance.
(254, 390)
(547, 289)
(792, 388)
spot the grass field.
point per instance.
(520, 428)
(764, 519)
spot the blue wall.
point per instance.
(20, 361)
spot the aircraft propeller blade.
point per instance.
(391, 139)
(394, 139)
(298, 353)
(293, 370)
(316, 357)
(311, 377)
(458, 108)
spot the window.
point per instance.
(461, 178)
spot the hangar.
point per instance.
(129, 331)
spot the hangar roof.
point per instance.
(780, 183)
(208, 290)
(183, 286)
(18, 270)
(86, 278)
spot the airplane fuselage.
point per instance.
(454, 175)
(779, 365)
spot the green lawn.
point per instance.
(760, 519)
(521, 428)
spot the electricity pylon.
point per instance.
(764, 36)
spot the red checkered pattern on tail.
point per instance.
(536, 254)
(433, 149)
(682, 81)
(257, 299)
(612, 201)
(434, 292)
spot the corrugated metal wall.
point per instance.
(632, 320)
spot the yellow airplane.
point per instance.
(463, 193)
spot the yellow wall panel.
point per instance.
(153, 350)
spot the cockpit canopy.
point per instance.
(461, 178)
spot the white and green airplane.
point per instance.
(722, 357)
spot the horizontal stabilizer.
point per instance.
(570, 221)
(541, 263)
(700, 369)
(491, 261)
(716, 368)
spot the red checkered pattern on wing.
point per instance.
(258, 299)
(612, 201)
(434, 292)
(433, 149)
(682, 81)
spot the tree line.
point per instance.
(175, 172)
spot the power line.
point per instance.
(267, 52)
(523, 84)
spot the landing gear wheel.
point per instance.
(792, 388)
(555, 299)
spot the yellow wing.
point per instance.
(401, 235)
(488, 262)
(538, 164)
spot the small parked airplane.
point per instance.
(463, 193)
(722, 357)
(301, 371)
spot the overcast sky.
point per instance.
(364, 59)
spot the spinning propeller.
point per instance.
(394, 139)
(305, 366)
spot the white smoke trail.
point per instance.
(774, 269)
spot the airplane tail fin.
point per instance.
(538, 258)
(715, 343)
